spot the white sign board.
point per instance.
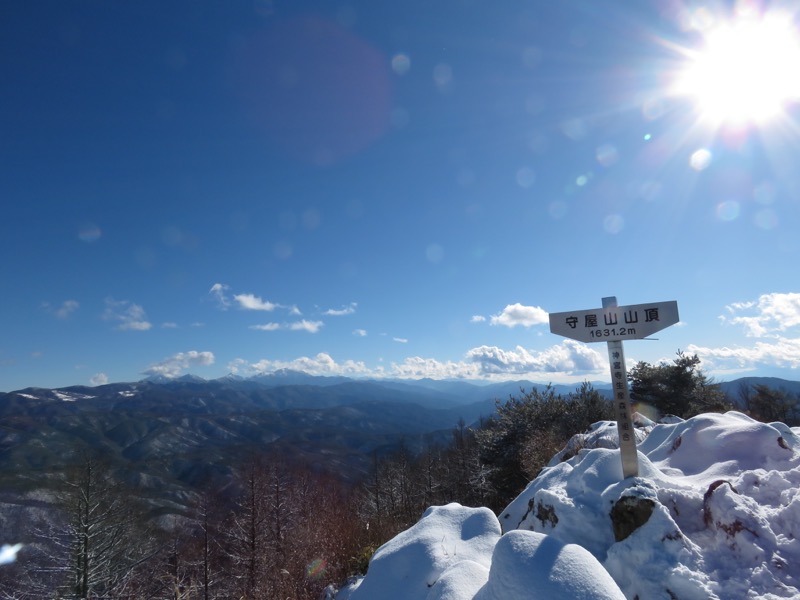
(612, 323)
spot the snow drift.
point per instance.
(714, 514)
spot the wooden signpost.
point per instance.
(613, 324)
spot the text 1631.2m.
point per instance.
(602, 333)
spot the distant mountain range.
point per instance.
(732, 389)
(168, 436)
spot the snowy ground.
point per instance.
(714, 513)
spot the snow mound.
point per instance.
(407, 566)
(714, 514)
(456, 553)
(534, 566)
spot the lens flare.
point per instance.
(434, 253)
(8, 553)
(728, 210)
(646, 410)
(614, 224)
(766, 219)
(319, 92)
(401, 64)
(316, 568)
(558, 209)
(700, 159)
(89, 233)
(526, 177)
(764, 193)
(607, 155)
(443, 77)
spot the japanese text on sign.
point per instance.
(618, 380)
(615, 323)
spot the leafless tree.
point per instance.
(91, 542)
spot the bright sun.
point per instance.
(747, 71)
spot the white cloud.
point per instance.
(219, 292)
(770, 314)
(266, 327)
(781, 352)
(252, 302)
(321, 364)
(772, 318)
(174, 366)
(360, 332)
(345, 310)
(417, 367)
(131, 316)
(517, 314)
(568, 357)
(169, 325)
(303, 325)
(400, 340)
(64, 311)
(477, 319)
(98, 379)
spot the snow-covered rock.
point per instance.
(725, 519)
(407, 566)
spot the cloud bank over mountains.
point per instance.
(485, 362)
(773, 321)
(771, 324)
(177, 365)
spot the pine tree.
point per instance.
(679, 389)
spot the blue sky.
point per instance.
(384, 189)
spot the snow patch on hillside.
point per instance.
(71, 396)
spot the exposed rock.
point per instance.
(629, 513)
(546, 514)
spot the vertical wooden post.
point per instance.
(622, 403)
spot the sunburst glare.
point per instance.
(746, 73)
